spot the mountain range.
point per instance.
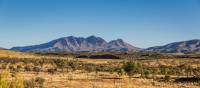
(93, 43)
(190, 46)
(76, 44)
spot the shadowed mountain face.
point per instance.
(75, 44)
(178, 47)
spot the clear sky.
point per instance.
(143, 23)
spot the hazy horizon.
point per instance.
(142, 23)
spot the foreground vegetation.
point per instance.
(148, 70)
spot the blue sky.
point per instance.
(143, 23)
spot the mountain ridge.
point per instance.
(188, 46)
(75, 44)
(93, 43)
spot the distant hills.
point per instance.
(76, 44)
(1, 48)
(190, 46)
(93, 43)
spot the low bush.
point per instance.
(40, 82)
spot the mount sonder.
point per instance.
(75, 44)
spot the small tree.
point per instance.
(146, 73)
(130, 68)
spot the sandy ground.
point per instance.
(102, 80)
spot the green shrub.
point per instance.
(74, 65)
(19, 68)
(147, 73)
(27, 68)
(131, 68)
(37, 69)
(60, 63)
(167, 78)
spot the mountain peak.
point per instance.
(119, 44)
(92, 36)
(70, 37)
(95, 38)
(118, 40)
